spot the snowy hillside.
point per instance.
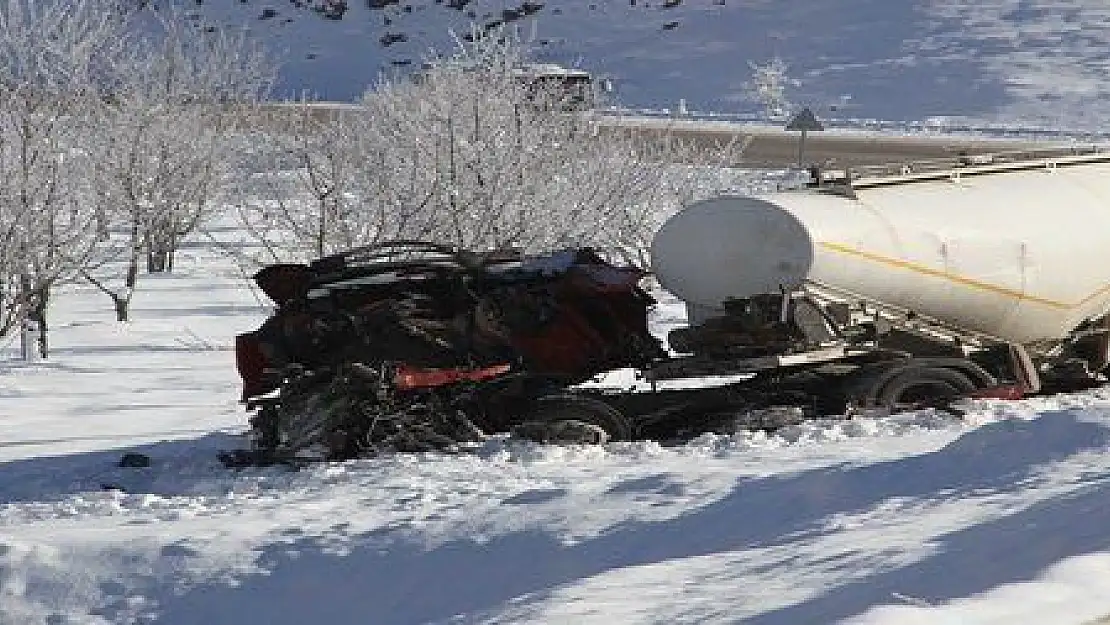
(919, 518)
(1032, 61)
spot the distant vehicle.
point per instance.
(575, 89)
(578, 88)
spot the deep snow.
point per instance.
(995, 518)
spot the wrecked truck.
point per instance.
(880, 288)
(413, 346)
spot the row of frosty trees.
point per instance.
(125, 126)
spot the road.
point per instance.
(760, 146)
(770, 147)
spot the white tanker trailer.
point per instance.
(901, 284)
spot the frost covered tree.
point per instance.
(52, 55)
(164, 139)
(298, 199)
(769, 85)
(474, 152)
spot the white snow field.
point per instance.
(999, 517)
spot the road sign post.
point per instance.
(804, 121)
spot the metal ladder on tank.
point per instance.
(845, 182)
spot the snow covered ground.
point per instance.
(1000, 517)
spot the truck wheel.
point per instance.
(569, 407)
(924, 386)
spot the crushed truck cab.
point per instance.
(411, 345)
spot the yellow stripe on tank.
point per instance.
(951, 277)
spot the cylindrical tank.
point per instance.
(1023, 255)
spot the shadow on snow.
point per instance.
(385, 577)
(177, 467)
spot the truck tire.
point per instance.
(571, 407)
(924, 385)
